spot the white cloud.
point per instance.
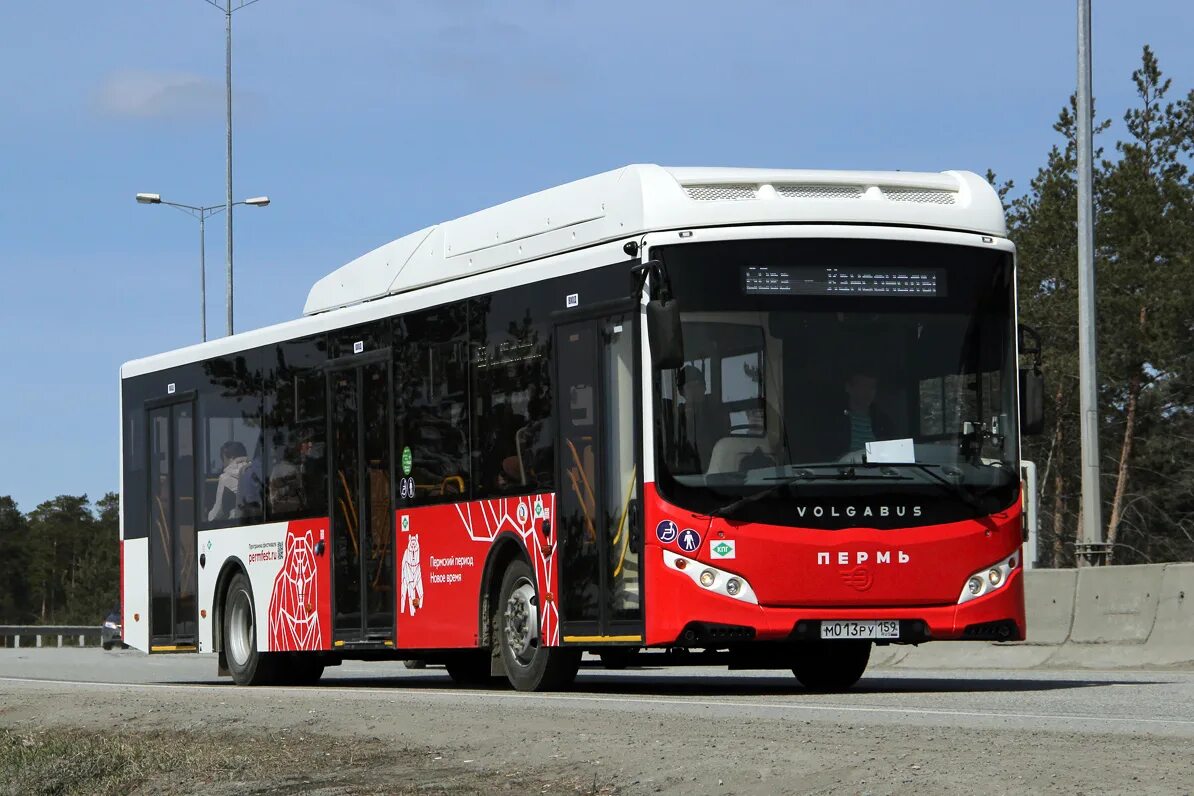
(163, 95)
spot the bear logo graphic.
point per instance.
(293, 609)
(412, 577)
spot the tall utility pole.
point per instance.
(1092, 550)
(227, 7)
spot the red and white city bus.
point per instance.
(762, 417)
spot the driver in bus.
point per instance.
(862, 420)
(702, 421)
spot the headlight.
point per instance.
(111, 625)
(989, 579)
(711, 578)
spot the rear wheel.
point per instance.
(247, 665)
(530, 664)
(831, 665)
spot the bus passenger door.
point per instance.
(173, 570)
(598, 517)
(362, 522)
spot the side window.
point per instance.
(742, 393)
(231, 454)
(431, 405)
(295, 474)
(513, 443)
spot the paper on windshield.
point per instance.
(891, 451)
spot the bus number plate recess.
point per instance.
(877, 628)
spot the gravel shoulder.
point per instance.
(649, 732)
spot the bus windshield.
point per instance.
(837, 383)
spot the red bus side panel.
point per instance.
(443, 550)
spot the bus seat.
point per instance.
(730, 453)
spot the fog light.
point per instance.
(1011, 563)
(733, 585)
(975, 585)
(995, 576)
(707, 578)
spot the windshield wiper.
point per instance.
(954, 488)
(842, 472)
(774, 489)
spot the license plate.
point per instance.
(876, 628)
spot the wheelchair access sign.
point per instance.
(667, 531)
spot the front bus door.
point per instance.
(362, 522)
(173, 571)
(598, 512)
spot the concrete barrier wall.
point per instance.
(1104, 617)
(1049, 603)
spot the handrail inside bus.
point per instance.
(578, 477)
(622, 523)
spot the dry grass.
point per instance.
(71, 761)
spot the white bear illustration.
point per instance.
(412, 577)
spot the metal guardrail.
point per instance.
(19, 633)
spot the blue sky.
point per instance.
(367, 119)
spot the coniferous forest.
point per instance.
(59, 563)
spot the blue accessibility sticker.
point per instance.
(690, 540)
(667, 531)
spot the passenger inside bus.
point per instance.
(235, 461)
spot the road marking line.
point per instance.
(703, 703)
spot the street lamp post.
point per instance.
(227, 8)
(202, 213)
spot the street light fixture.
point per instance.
(202, 213)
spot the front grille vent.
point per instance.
(923, 195)
(819, 191)
(721, 193)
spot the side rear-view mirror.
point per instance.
(663, 330)
(1032, 402)
(1032, 383)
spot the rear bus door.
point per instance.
(173, 570)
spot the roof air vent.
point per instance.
(721, 193)
(819, 191)
(923, 195)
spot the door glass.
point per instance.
(379, 556)
(346, 508)
(579, 467)
(186, 569)
(621, 474)
(161, 539)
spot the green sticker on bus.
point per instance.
(406, 460)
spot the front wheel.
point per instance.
(831, 665)
(530, 664)
(247, 665)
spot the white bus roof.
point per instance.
(638, 199)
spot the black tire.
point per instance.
(298, 668)
(471, 668)
(830, 665)
(415, 663)
(529, 665)
(245, 663)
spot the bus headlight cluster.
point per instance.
(989, 579)
(711, 578)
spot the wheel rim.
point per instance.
(240, 628)
(522, 622)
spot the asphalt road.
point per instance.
(675, 729)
